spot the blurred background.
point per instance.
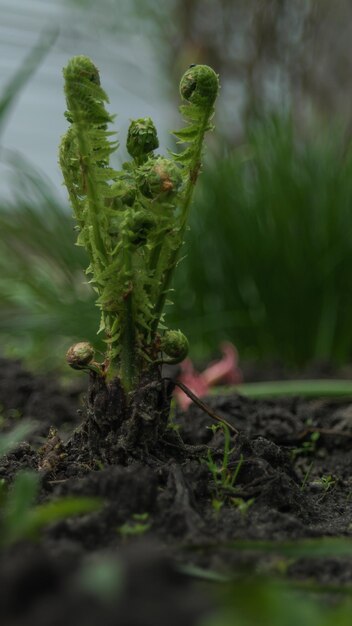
(268, 258)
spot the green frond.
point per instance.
(187, 134)
(199, 86)
(190, 112)
(184, 157)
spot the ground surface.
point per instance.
(292, 464)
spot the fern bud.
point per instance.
(140, 225)
(175, 345)
(123, 192)
(160, 178)
(200, 85)
(80, 355)
(142, 137)
(82, 68)
(85, 98)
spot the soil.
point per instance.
(165, 511)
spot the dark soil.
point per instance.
(292, 483)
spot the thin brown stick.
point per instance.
(324, 431)
(207, 409)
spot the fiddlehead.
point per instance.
(175, 345)
(142, 139)
(160, 179)
(84, 156)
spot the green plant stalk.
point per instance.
(306, 476)
(194, 172)
(237, 471)
(185, 207)
(307, 388)
(127, 357)
(227, 443)
(92, 198)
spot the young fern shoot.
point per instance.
(132, 224)
(199, 87)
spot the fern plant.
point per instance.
(132, 223)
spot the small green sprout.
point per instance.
(326, 482)
(306, 476)
(217, 505)
(242, 505)
(307, 447)
(138, 525)
(224, 476)
(175, 345)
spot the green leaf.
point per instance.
(22, 520)
(305, 388)
(303, 548)
(44, 514)
(190, 112)
(19, 500)
(183, 157)
(9, 441)
(187, 134)
(28, 67)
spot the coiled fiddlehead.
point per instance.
(142, 139)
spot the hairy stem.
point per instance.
(185, 206)
(92, 197)
(127, 356)
(128, 347)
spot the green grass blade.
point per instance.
(318, 548)
(304, 388)
(18, 502)
(22, 520)
(44, 514)
(23, 74)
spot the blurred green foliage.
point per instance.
(21, 519)
(257, 600)
(269, 251)
(28, 67)
(45, 299)
(268, 595)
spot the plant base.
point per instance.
(118, 425)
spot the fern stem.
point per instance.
(194, 170)
(128, 347)
(127, 355)
(185, 207)
(92, 196)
